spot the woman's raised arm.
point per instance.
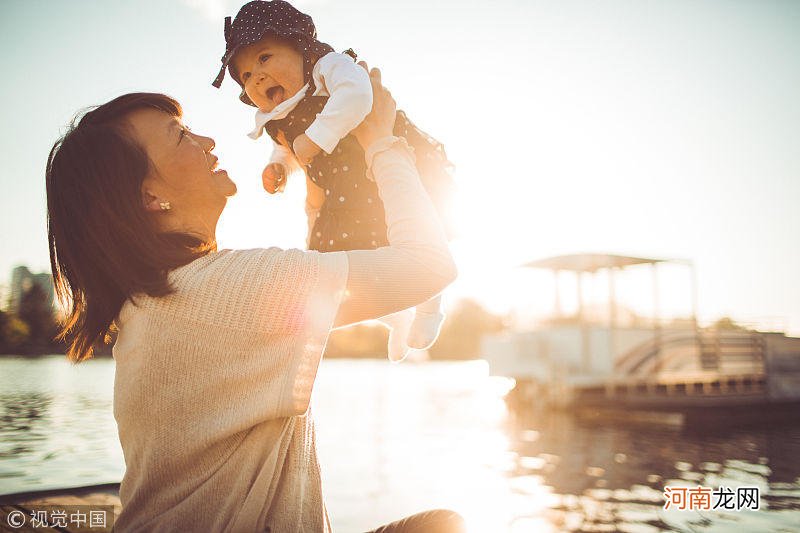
(417, 264)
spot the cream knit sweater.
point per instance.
(213, 382)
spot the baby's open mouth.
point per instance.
(275, 94)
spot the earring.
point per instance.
(164, 206)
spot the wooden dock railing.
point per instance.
(709, 351)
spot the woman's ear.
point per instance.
(153, 197)
(152, 203)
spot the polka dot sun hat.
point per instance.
(260, 18)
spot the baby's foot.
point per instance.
(399, 325)
(398, 349)
(425, 329)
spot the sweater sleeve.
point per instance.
(417, 264)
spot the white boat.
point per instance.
(663, 365)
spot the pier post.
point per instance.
(586, 362)
(656, 317)
(697, 340)
(612, 317)
(557, 303)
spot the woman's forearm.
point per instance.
(417, 264)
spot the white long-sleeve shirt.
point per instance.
(349, 93)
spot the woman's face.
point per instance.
(185, 171)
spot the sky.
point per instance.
(660, 129)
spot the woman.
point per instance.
(217, 351)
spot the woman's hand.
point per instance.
(380, 121)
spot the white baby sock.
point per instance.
(399, 324)
(427, 323)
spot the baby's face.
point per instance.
(270, 70)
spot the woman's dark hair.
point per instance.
(104, 246)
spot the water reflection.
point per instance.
(57, 426)
(612, 476)
(422, 437)
(23, 423)
(398, 439)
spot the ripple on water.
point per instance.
(397, 439)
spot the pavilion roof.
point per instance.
(590, 262)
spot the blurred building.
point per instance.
(22, 280)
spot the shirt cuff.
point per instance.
(280, 155)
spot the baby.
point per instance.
(308, 99)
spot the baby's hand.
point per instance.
(274, 178)
(305, 149)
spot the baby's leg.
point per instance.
(399, 324)
(427, 324)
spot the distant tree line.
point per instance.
(460, 338)
(31, 328)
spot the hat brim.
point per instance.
(295, 37)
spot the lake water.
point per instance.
(398, 439)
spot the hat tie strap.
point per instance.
(221, 75)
